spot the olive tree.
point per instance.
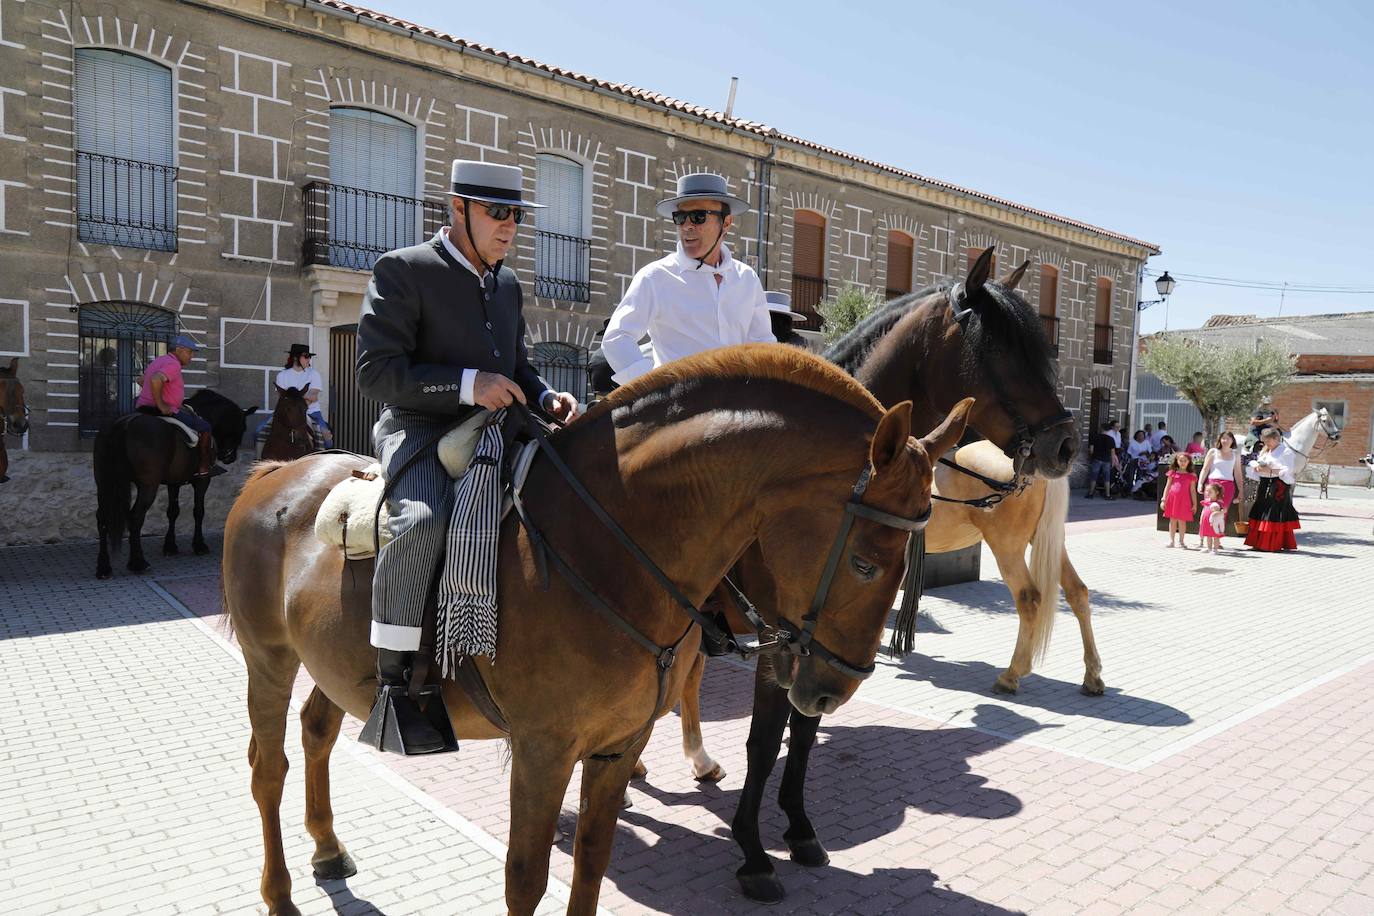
(846, 308)
(1221, 381)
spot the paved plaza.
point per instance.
(1229, 767)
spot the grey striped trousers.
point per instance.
(419, 506)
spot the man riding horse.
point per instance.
(163, 393)
(441, 336)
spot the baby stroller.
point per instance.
(1139, 478)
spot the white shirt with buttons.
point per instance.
(685, 310)
(464, 389)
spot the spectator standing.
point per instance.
(1179, 502)
(1196, 447)
(1103, 460)
(1157, 437)
(1211, 525)
(1273, 520)
(1222, 467)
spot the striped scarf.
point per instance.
(467, 589)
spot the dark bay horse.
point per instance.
(290, 437)
(146, 452)
(759, 445)
(14, 413)
(933, 348)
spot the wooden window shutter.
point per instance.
(900, 249)
(808, 244)
(1104, 301)
(971, 255)
(1049, 290)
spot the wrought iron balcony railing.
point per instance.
(562, 267)
(807, 293)
(1103, 339)
(352, 227)
(126, 202)
(1051, 325)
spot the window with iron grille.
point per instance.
(118, 340)
(372, 187)
(1335, 408)
(1103, 333)
(561, 250)
(563, 366)
(125, 160)
(808, 267)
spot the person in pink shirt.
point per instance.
(164, 392)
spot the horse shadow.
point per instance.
(1040, 692)
(991, 597)
(345, 901)
(862, 782)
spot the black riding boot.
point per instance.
(397, 723)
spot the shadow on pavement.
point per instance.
(344, 900)
(1040, 692)
(863, 780)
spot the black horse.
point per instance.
(147, 452)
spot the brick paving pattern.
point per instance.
(1229, 768)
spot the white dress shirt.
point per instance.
(1280, 459)
(685, 311)
(465, 395)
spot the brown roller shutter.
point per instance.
(1049, 290)
(808, 245)
(899, 256)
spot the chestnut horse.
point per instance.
(290, 437)
(697, 461)
(934, 347)
(14, 413)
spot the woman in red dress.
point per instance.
(1272, 517)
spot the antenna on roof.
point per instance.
(730, 103)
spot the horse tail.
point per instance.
(112, 477)
(1047, 559)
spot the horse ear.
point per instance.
(979, 272)
(249, 411)
(947, 435)
(889, 439)
(281, 392)
(1013, 279)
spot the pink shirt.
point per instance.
(172, 390)
(1195, 448)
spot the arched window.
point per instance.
(1049, 303)
(372, 205)
(561, 253)
(563, 366)
(808, 266)
(901, 255)
(125, 150)
(118, 340)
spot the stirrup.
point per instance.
(396, 717)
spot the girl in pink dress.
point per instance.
(1211, 525)
(1179, 501)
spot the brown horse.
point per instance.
(757, 445)
(14, 413)
(934, 347)
(290, 437)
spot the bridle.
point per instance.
(1332, 435)
(788, 637)
(1024, 434)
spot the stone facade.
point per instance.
(254, 82)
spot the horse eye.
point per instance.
(862, 568)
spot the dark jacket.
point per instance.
(425, 319)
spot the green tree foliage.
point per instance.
(1221, 381)
(846, 308)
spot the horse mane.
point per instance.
(212, 397)
(749, 362)
(1004, 325)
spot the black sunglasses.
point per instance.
(502, 212)
(696, 217)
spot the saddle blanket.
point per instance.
(192, 437)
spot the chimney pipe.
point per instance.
(730, 104)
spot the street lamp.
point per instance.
(1164, 286)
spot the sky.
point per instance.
(1237, 137)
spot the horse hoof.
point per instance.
(625, 802)
(716, 774)
(762, 888)
(283, 909)
(169, 550)
(335, 869)
(200, 550)
(809, 852)
(1001, 687)
(1093, 687)
(103, 574)
(139, 566)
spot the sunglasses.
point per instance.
(695, 217)
(502, 212)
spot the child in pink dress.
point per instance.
(1212, 523)
(1179, 501)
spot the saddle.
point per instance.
(192, 437)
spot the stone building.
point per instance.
(232, 168)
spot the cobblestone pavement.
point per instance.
(1229, 768)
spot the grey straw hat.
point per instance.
(781, 303)
(489, 183)
(703, 186)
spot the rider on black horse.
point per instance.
(163, 393)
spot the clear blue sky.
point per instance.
(1239, 137)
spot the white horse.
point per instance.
(1303, 436)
